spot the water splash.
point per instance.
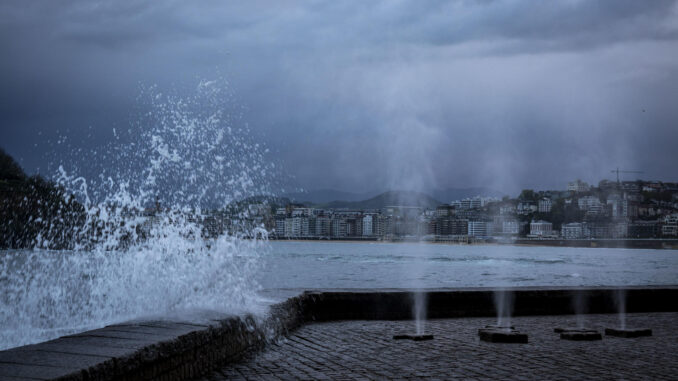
(579, 302)
(152, 233)
(420, 304)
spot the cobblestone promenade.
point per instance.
(365, 350)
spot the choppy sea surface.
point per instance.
(400, 265)
(47, 294)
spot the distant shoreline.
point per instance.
(665, 244)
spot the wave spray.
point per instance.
(153, 233)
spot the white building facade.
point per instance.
(541, 228)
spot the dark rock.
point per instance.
(413, 337)
(573, 329)
(502, 335)
(581, 335)
(628, 332)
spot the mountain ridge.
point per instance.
(444, 196)
(389, 198)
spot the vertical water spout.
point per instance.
(420, 305)
(620, 296)
(580, 308)
(503, 302)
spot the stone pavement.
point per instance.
(365, 350)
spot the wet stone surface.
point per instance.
(365, 350)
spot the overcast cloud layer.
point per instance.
(364, 95)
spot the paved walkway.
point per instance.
(364, 350)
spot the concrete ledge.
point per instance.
(479, 302)
(179, 350)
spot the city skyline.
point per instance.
(613, 210)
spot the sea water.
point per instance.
(386, 265)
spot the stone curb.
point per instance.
(192, 352)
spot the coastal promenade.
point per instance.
(348, 334)
(365, 350)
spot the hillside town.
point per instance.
(35, 209)
(611, 210)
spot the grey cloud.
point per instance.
(366, 95)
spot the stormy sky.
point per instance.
(364, 95)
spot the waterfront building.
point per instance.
(311, 226)
(620, 207)
(510, 227)
(402, 211)
(322, 226)
(444, 210)
(367, 225)
(476, 202)
(573, 230)
(608, 185)
(338, 227)
(595, 210)
(578, 186)
(633, 197)
(292, 227)
(591, 205)
(480, 228)
(648, 210)
(598, 230)
(473, 202)
(280, 227)
(379, 225)
(408, 227)
(302, 212)
(354, 226)
(653, 186)
(451, 226)
(304, 230)
(588, 202)
(456, 204)
(670, 226)
(507, 209)
(545, 205)
(630, 186)
(619, 229)
(541, 228)
(643, 229)
(526, 207)
(471, 214)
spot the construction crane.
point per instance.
(618, 171)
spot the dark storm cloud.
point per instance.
(366, 95)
